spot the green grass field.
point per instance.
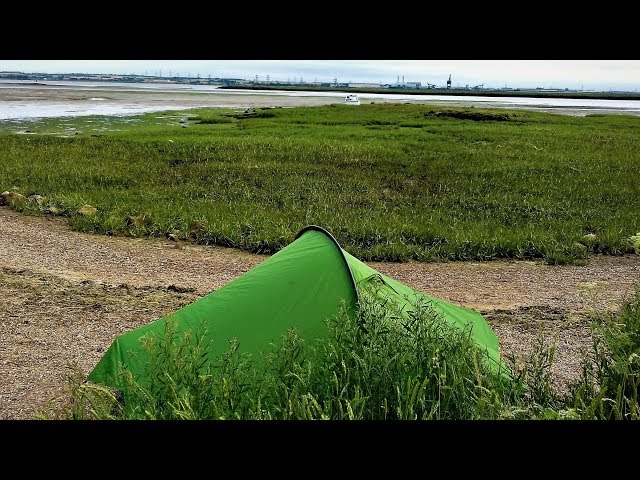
(390, 181)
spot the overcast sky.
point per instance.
(573, 74)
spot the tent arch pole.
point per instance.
(335, 242)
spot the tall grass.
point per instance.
(391, 182)
(609, 386)
(373, 365)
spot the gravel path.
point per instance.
(64, 295)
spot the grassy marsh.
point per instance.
(390, 181)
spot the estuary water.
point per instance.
(28, 99)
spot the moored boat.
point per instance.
(352, 100)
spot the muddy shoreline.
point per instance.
(42, 100)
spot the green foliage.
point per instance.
(609, 386)
(460, 185)
(377, 364)
(213, 120)
(374, 365)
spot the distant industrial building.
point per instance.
(364, 85)
(403, 84)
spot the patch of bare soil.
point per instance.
(51, 327)
(48, 245)
(65, 295)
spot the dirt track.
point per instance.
(64, 295)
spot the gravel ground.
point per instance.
(64, 295)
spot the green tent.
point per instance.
(298, 287)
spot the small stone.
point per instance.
(87, 210)
(176, 288)
(37, 199)
(12, 198)
(53, 211)
(590, 238)
(580, 246)
(141, 220)
(173, 237)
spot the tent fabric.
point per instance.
(299, 287)
(404, 296)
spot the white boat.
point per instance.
(351, 100)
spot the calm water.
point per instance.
(24, 99)
(33, 110)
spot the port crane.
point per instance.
(478, 87)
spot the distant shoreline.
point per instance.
(444, 91)
(239, 84)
